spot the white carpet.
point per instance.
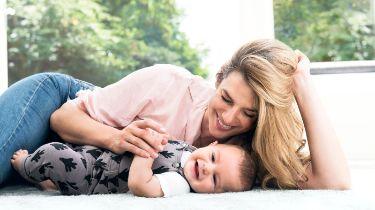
(14, 198)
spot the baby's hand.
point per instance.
(142, 137)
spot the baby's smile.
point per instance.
(196, 170)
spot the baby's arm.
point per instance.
(142, 181)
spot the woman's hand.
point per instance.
(302, 76)
(303, 66)
(144, 138)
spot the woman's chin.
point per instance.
(220, 135)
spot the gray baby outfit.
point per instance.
(86, 169)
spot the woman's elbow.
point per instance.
(344, 182)
(54, 120)
(53, 116)
(58, 117)
(341, 184)
(344, 185)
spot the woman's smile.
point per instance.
(221, 125)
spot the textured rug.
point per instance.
(25, 197)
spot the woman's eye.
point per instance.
(249, 115)
(214, 180)
(226, 100)
(213, 157)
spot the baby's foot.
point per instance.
(47, 185)
(17, 158)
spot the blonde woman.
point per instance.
(281, 77)
(256, 96)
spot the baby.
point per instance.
(179, 168)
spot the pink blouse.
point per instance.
(167, 94)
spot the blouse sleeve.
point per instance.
(173, 184)
(119, 103)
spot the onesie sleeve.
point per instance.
(172, 183)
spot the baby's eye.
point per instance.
(213, 157)
(214, 181)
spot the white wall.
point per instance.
(3, 48)
(222, 26)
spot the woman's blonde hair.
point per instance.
(268, 66)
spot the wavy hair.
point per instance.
(267, 65)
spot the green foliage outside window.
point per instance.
(99, 41)
(327, 30)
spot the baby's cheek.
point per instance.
(206, 187)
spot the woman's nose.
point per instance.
(229, 116)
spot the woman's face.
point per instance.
(232, 110)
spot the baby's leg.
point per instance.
(18, 158)
(17, 161)
(47, 185)
(56, 162)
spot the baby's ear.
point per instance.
(213, 143)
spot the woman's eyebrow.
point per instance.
(230, 98)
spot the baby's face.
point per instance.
(214, 169)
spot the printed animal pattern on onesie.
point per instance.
(77, 169)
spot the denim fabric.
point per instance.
(25, 109)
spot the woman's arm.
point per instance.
(142, 181)
(76, 126)
(328, 168)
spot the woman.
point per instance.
(255, 94)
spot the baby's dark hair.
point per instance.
(248, 169)
(249, 163)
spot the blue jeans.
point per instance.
(25, 109)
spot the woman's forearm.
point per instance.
(329, 168)
(76, 126)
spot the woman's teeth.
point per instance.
(225, 127)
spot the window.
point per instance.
(332, 30)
